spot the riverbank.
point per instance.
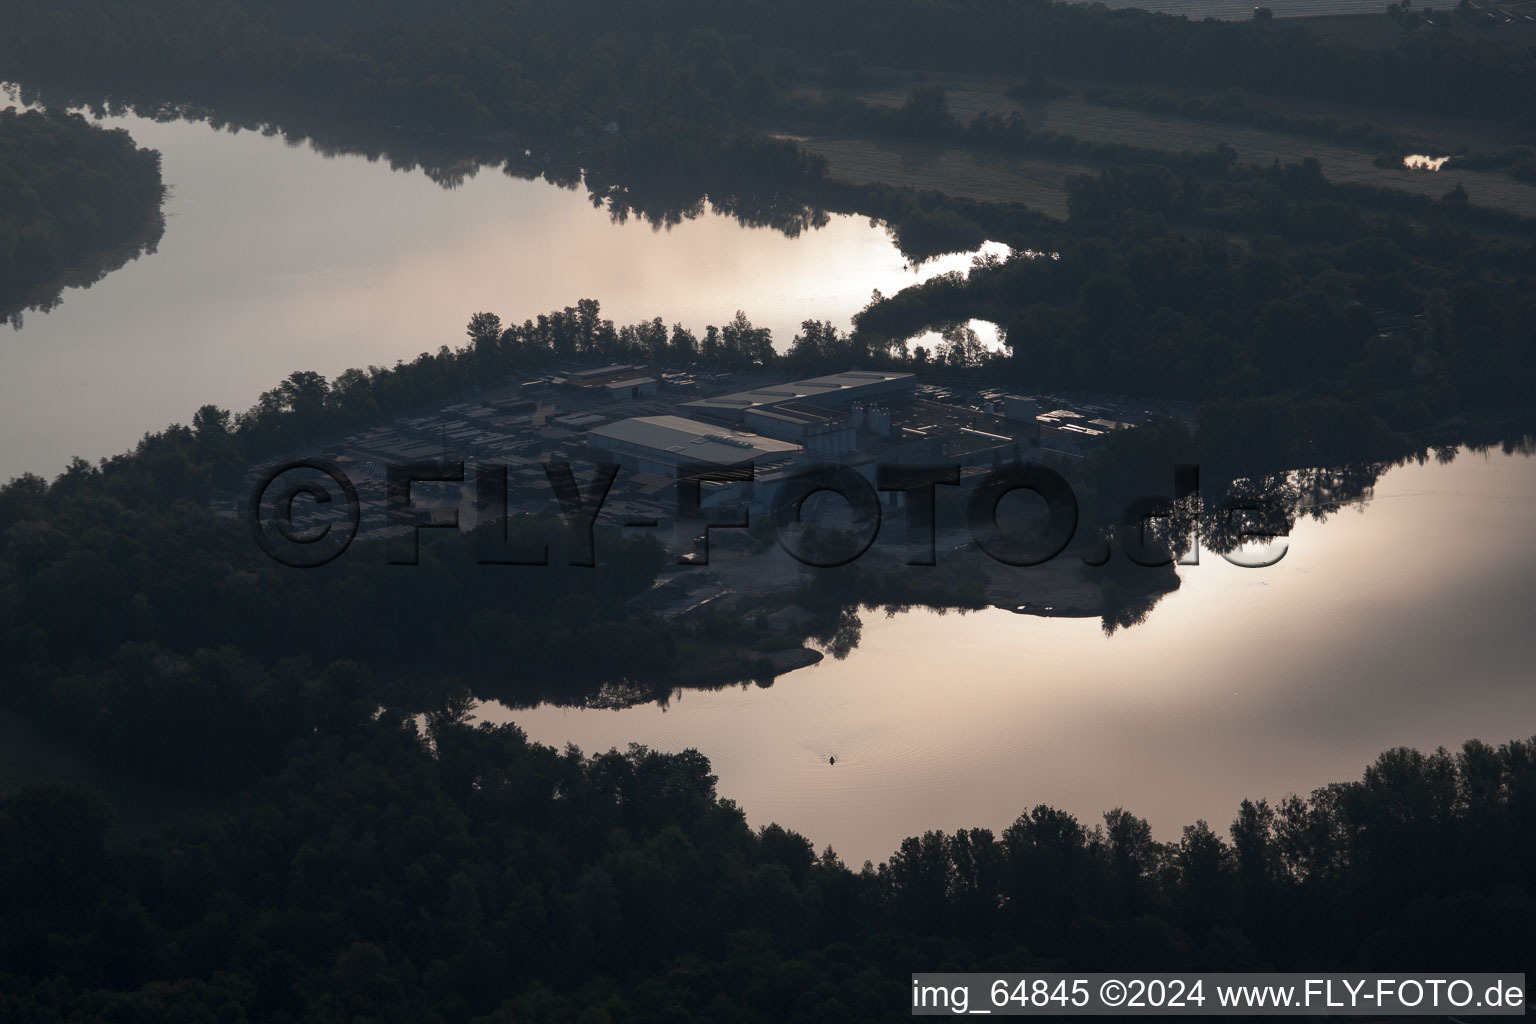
(767, 614)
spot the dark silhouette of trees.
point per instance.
(377, 856)
(76, 202)
(463, 873)
(926, 111)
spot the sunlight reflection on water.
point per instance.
(1244, 683)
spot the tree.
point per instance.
(685, 347)
(1253, 831)
(80, 201)
(747, 344)
(1132, 853)
(52, 841)
(961, 347)
(919, 877)
(211, 424)
(926, 111)
(815, 346)
(655, 343)
(1204, 865)
(484, 327)
(484, 332)
(303, 394)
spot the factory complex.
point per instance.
(662, 424)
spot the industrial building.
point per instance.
(617, 376)
(859, 420)
(832, 391)
(819, 431)
(631, 388)
(660, 445)
(1020, 410)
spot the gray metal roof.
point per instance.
(688, 440)
(849, 381)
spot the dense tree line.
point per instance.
(158, 636)
(1352, 318)
(306, 406)
(924, 114)
(457, 873)
(559, 66)
(1234, 107)
(657, 105)
(76, 200)
(664, 94)
(463, 874)
(121, 590)
(1518, 162)
(369, 867)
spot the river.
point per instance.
(276, 258)
(1400, 620)
(1403, 620)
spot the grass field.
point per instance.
(1378, 32)
(1039, 182)
(1444, 131)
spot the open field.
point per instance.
(1039, 181)
(1376, 32)
(1445, 133)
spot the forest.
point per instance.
(372, 854)
(699, 67)
(695, 96)
(395, 872)
(111, 572)
(76, 201)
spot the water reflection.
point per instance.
(774, 192)
(275, 259)
(1243, 683)
(46, 296)
(760, 605)
(1420, 162)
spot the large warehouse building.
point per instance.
(820, 431)
(832, 391)
(659, 445)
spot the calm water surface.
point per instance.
(1404, 620)
(276, 258)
